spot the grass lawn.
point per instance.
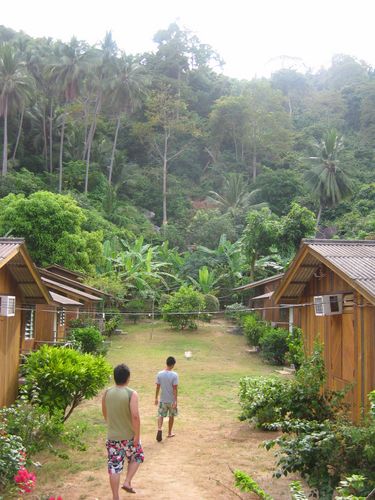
(208, 411)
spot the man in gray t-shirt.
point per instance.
(167, 382)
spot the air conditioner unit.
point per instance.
(328, 305)
(7, 305)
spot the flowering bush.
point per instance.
(12, 455)
(25, 480)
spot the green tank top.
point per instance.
(119, 421)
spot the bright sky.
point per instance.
(252, 36)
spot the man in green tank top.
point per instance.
(120, 411)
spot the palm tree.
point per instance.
(15, 87)
(68, 73)
(236, 195)
(126, 90)
(328, 180)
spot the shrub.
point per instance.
(111, 325)
(87, 339)
(274, 346)
(264, 400)
(296, 354)
(12, 456)
(212, 303)
(267, 400)
(183, 308)
(136, 306)
(325, 452)
(33, 424)
(64, 377)
(253, 329)
(235, 311)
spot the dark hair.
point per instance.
(171, 361)
(121, 374)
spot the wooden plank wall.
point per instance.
(10, 329)
(349, 339)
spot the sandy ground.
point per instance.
(195, 464)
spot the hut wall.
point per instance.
(10, 331)
(344, 345)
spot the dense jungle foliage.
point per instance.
(161, 171)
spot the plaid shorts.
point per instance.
(166, 409)
(119, 450)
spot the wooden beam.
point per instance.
(309, 266)
(298, 282)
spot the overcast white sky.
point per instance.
(249, 35)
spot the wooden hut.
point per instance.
(20, 289)
(259, 295)
(332, 284)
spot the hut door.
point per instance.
(341, 340)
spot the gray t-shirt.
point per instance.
(167, 379)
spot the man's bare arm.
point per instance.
(136, 421)
(104, 408)
(157, 394)
(175, 391)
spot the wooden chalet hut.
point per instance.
(20, 289)
(332, 284)
(262, 300)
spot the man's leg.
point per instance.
(160, 426)
(170, 426)
(132, 469)
(114, 481)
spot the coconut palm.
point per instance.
(15, 88)
(126, 91)
(236, 195)
(73, 64)
(328, 180)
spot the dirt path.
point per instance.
(209, 439)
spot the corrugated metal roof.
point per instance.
(60, 286)
(254, 284)
(8, 246)
(355, 259)
(14, 255)
(264, 296)
(59, 278)
(65, 301)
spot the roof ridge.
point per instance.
(334, 242)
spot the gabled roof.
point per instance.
(352, 260)
(254, 284)
(14, 255)
(64, 271)
(64, 301)
(61, 287)
(61, 278)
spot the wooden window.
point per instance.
(61, 316)
(29, 321)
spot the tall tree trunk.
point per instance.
(18, 134)
(5, 141)
(89, 137)
(165, 171)
(86, 121)
(290, 106)
(45, 146)
(61, 152)
(235, 144)
(254, 165)
(50, 137)
(90, 140)
(318, 217)
(114, 150)
(254, 162)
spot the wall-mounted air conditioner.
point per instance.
(7, 305)
(328, 305)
